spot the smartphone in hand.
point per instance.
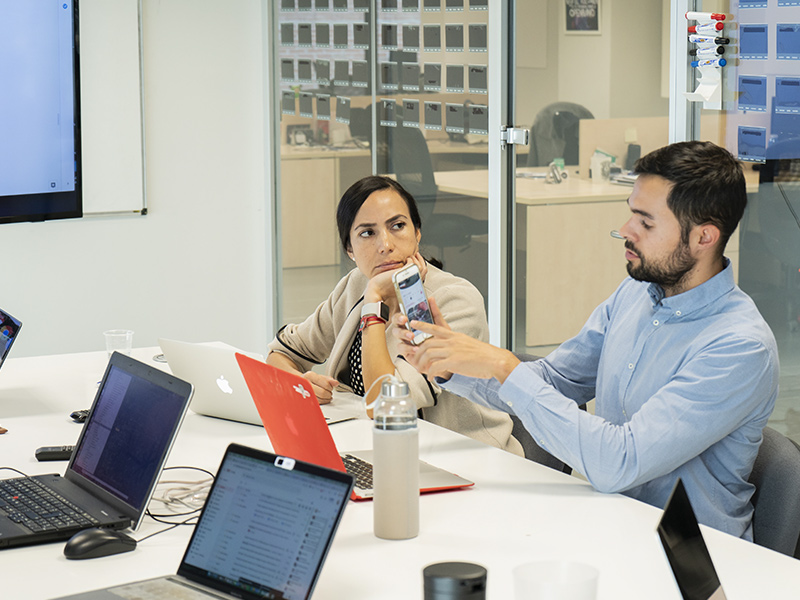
(413, 301)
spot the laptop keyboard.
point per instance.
(32, 505)
(360, 469)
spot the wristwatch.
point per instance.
(375, 309)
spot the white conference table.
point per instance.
(517, 512)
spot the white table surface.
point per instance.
(517, 512)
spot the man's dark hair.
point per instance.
(358, 193)
(707, 185)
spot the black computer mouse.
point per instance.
(95, 542)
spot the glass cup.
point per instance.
(118, 340)
(555, 580)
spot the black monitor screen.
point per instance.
(40, 159)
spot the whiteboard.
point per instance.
(111, 106)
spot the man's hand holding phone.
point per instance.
(446, 352)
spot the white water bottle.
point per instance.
(395, 473)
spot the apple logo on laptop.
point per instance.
(223, 384)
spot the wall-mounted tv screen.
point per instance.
(40, 158)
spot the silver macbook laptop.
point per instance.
(220, 389)
(115, 465)
(686, 550)
(239, 549)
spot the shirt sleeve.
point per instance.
(706, 400)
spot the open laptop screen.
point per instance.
(129, 432)
(9, 328)
(686, 550)
(266, 526)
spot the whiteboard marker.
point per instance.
(707, 28)
(696, 38)
(703, 16)
(707, 51)
(710, 62)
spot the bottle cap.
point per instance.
(454, 581)
(394, 389)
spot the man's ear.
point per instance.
(708, 236)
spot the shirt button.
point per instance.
(655, 322)
(510, 404)
(678, 313)
(630, 365)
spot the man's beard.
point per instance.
(666, 273)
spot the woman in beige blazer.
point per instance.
(380, 228)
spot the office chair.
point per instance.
(531, 449)
(555, 134)
(778, 210)
(776, 475)
(404, 152)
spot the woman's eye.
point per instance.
(399, 225)
(365, 233)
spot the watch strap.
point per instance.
(377, 309)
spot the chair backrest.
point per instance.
(776, 475)
(404, 152)
(531, 449)
(555, 133)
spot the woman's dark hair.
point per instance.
(357, 194)
(707, 185)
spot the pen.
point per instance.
(2, 429)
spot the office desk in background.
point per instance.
(313, 178)
(572, 264)
(517, 512)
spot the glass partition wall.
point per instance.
(592, 85)
(393, 87)
(757, 117)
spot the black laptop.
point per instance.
(686, 550)
(115, 465)
(264, 532)
(9, 329)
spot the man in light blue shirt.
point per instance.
(683, 367)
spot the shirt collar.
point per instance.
(697, 297)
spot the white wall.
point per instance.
(614, 74)
(195, 267)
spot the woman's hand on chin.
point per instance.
(381, 286)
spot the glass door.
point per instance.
(594, 91)
(393, 87)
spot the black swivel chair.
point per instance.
(403, 151)
(776, 475)
(555, 134)
(531, 449)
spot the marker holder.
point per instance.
(709, 81)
